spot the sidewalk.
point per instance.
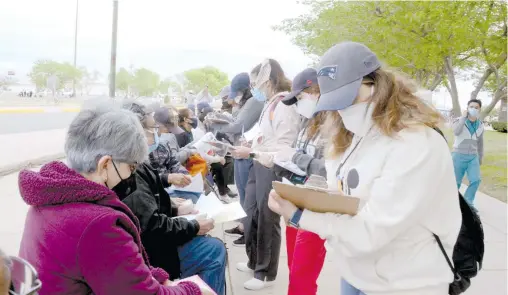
(30, 149)
(491, 280)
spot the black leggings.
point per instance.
(223, 175)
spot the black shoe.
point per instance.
(240, 242)
(234, 232)
(232, 194)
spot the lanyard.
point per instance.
(349, 155)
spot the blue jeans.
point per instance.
(347, 289)
(206, 257)
(470, 164)
(242, 168)
(184, 195)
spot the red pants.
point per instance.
(306, 256)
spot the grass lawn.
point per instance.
(494, 167)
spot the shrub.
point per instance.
(500, 126)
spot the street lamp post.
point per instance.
(75, 46)
(112, 70)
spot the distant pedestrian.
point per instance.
(468, 148)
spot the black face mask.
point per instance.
(194, 123)
(126, 186)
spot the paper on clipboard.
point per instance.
(317, 200)
(196, 186)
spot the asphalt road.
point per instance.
(21, 123)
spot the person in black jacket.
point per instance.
(174, 243)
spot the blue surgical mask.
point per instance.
(156, 142)
(258, 95)
(473, 112)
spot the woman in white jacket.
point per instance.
(278, 129)
(385, 152)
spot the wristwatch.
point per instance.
(252, 155)
(295, 219)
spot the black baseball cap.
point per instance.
(340, 74)
(303, 80)
(239, 83)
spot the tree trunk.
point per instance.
(481, 82)
(503, 111)
(438, 78)
(452, 86)
(486, 110)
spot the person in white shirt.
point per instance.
(383, 150)
(278, 129)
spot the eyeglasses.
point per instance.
(153, 129)
(132, 167)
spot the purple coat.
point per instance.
(83, 240)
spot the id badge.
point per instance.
(340, 186)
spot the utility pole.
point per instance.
(75, 46)
(112, 70)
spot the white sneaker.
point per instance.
(225, 199)
(243, 267)
(256, 284)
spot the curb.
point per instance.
(13, 168)
(39, 110)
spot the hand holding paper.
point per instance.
(209, 206)
(196, 185)
(205, 289)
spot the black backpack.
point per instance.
(469, 248)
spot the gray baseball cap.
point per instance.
(303, 80)
(340, 74)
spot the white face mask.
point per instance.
(358, 117)
(238, 98)
(306, 105)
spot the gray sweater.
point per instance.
(309, 153)
(247, 116)
(182, 154)
(465, 142)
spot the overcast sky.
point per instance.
(166, 36)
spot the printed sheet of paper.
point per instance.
(253, 132)
(290, 166)
(196, 186)
(230, 212)
(218, 211)
(209, 204)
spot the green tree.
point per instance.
(168, 84)
(197, 79)
(123, 80)
(145, 82)
(429, 40)
(42, 69)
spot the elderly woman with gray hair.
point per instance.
(78, 234)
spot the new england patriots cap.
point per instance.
(340, 74)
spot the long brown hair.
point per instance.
(278, 80)
(396, 108)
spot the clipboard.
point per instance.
(317, 200)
